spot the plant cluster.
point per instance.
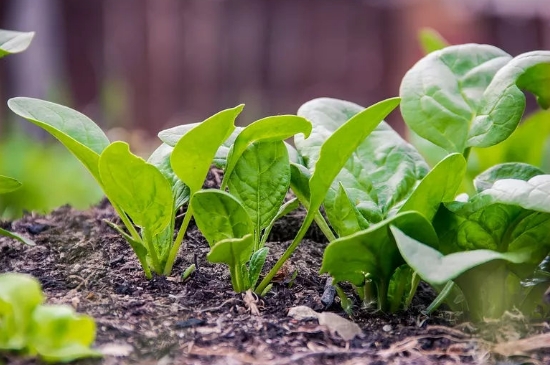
(391, 219)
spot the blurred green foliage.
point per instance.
(51, 177)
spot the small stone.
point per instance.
(386, 328)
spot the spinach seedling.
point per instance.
(383, 181)
(53, 332)
(257, 173)
(144, 194)
(332, 155)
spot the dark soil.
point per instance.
(82, 262)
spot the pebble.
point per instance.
(386, 328)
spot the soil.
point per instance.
(82, 262)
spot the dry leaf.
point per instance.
(335, 324)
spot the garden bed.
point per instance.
(82, 262)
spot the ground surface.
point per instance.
(82, 262)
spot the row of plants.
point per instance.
(390, 218)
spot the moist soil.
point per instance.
(82, 262)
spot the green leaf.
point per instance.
(234, 252)
(381, 170)
(430, 40)
(160, 158)
(340, 146)
(139, 249)
(373, 251)
(533, 194)
(137, 187)
(285, 209)
(173, 135)
(344, 215)
(503, 103)
(220, 216)
(20, 294)
(260, 180)
(8, 184)
(270, 129)
(437, 269)
(195, 151)
(442, 93)
(257, 261)
(77, 132)
(17, 237)
(59, 334)
(14, 42)
(299, 181)
(510, 170)
(440, 185)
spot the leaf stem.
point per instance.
(179, 239)
(441, 297)
(323, 225)
(152, 251)
(286, 255)
(129, 226)
(414, 285)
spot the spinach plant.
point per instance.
(257, 175)
(492, 243)
(382, 180)
(144, 194)
(53, 332)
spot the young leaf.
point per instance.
(20, 294)
(437, 269)
(510, 170)
(173, 135)
(234, 252)
(430, 40)
(260, 180)
(220, 216)
(8, 184)
(14, 42)
(160, 158)
(194, 152)
(256, 264)
(373, 251)
(443, 91)
(344, 215)
(285, 209)
(58, 334)
(269, 129)
(77, 132)
(440, 185)
(503, 103)
(137, 187)
(17, 237)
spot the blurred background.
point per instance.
(139, 66)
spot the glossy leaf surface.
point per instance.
(14, 42)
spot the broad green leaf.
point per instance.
(17, 237)
(430, 40)
(234, 252)
(437, 269)
(220, 216)
(510, 170)
(137, 187)
(382, 169)
(59, 334)
(8, 184)
(260, 180)
(76, 131)
(340, 146)
(373, 251)
(160, 158)
(256, 264)
(195, 151)
(503, 103)
(270, 129)
(173, 135)
(344, 215)
(440, 185)
(14, 42)
(443, 91)
(20, 294)
(533, 194)
(299, 181)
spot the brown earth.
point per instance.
(82, 262)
